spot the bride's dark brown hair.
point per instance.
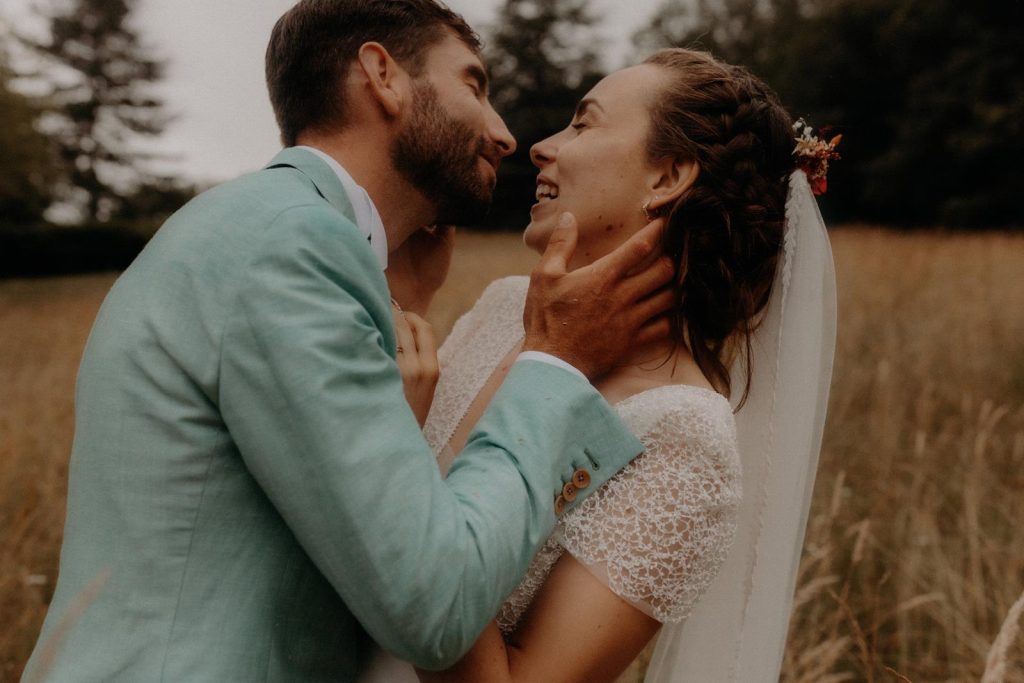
(725, 232)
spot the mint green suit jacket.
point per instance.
(249, 489)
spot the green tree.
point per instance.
(28, 164)
(102, 100)
(543, 56)
(928, 93)
(955, 138)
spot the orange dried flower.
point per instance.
(813, 154)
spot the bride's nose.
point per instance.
(543, 153)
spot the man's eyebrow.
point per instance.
(477, 73)
(585, 104)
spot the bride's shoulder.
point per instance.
(511, 289)
(660, 528)
(501, 300)
(677, 405)
(498, 313)
(682, 422)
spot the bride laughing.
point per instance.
(699, 537)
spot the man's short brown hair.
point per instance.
(313, 44)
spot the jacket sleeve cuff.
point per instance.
(551, 360)
(594, 437)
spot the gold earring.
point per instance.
(648, 214)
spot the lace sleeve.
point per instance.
(477, 342)
(497, 297)
(657, 533)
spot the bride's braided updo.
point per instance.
(725, 232)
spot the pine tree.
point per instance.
(102, 102)
(28, 164)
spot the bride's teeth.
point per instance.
(546, 191)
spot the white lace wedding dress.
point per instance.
(656, 533)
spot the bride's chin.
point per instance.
(536, 237)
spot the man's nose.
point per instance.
(500, 134)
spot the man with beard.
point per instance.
(250, 495)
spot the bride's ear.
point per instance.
(674, 178)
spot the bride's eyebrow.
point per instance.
(586, 104)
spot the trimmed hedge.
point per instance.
(50, 250)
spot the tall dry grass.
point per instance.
(43, 326)
(915, 549)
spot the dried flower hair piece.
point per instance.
(813, 154)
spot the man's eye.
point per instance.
(579, 125)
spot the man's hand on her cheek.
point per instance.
(591, 316)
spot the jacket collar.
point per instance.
(327, 183)
(340, 189)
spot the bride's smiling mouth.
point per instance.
(546, 190)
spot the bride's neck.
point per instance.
(655, 356)
(664, 362)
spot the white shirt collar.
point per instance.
(367, 218)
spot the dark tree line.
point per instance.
(929, 94)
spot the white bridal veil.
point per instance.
(737, 632)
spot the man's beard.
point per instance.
(437, 155)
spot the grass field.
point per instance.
(915, 549)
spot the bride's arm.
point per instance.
(576, 629)
(658, 533)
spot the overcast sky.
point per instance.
(214, 83)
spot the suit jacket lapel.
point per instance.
(323, 178)
(328, 186)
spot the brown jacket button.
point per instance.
(569, 492)
(581, 479)
(559, 505)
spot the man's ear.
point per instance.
(674, 178)
(385, 80)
